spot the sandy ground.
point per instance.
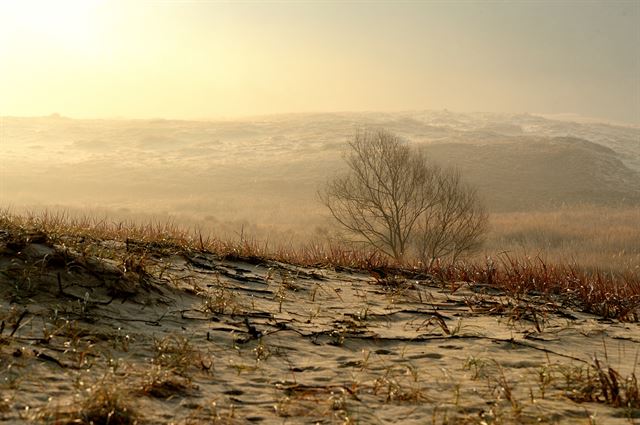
(192, 338)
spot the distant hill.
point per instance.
(538, 173)
(269, 168)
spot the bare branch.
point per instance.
(400, 203)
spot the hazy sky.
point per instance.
(206, 59)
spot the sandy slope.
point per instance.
(193, 338)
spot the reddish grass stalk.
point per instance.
(605, 294)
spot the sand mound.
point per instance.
(115, 332)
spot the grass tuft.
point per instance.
(602, 384)
(103, 403)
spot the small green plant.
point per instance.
(545, 377)
(219, 299)
(479, 367)
(261, 351)
(502, 387)
(174, 352)
(400, 384)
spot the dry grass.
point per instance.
(606, 293)
(102, 403)
(163, 384)
(602, 384)
(598, 238)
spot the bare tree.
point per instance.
(384, 193)
(455, 225)
(399, 203)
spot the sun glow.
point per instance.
(206, 58)
(71, 25)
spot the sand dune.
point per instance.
(150, 332)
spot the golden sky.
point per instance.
(206, 59)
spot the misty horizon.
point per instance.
(206, 60)
(562, 117)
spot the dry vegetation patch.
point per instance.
(105, 402)
(99, 327)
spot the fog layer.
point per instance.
(266, 171)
